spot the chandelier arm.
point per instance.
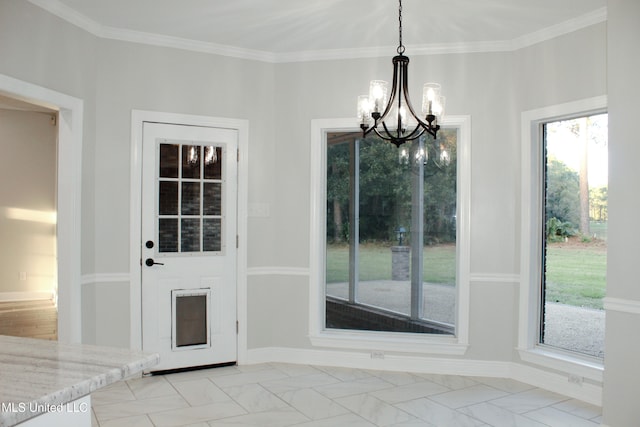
(394, 92)
(427, 126)
(387, 137)
(388, 132)
(405, 90)
(415, 133)
(401, 82)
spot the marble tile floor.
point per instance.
(274, 394)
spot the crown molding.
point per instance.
(70, 15)
(112, 33)
(566, 27)
(161, 40)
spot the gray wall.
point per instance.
(622, 371)
(27, 181)
(42, 49)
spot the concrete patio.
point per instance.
(573, 328)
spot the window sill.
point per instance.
(575, 365)
(391, 342)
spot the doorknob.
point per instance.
(150, 262)
(149, 244)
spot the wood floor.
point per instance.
(33, 319)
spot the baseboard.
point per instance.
(551, 381)
(558, 383)
(366, 360)
(26, 296)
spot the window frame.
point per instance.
(386, 341)
(532, 239)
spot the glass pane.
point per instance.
(337, 227)
(212, 204)
(190, 198)
(391, 254)
(191, 161)
(439, 256)
(169, 160)
(191, 320)
(190, 235)
(212, 236)
(212, 162)
(168, 198)
(575, 250)
(167, 235)
(385, 206)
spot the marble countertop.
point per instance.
(39, 374)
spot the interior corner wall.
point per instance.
(27, 203)
(493, 88)
(622, 371)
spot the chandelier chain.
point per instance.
(400, 49)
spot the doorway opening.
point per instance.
(69, 121)
(28, 259)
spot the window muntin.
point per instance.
(190, 185)
(397, 266)
(573, 267)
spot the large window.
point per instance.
(563, 237)
(391, 233)
(573, 268)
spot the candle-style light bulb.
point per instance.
(430, 95)
(378, 95)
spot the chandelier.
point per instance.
(394, 120)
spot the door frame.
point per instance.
(68, 197)
(138, 117)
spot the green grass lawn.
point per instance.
(375, 263)
(576, 271)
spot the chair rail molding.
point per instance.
(622, 305)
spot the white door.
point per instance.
(188, 248)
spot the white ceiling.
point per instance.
(284, 29)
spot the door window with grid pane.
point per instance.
(190, 186)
